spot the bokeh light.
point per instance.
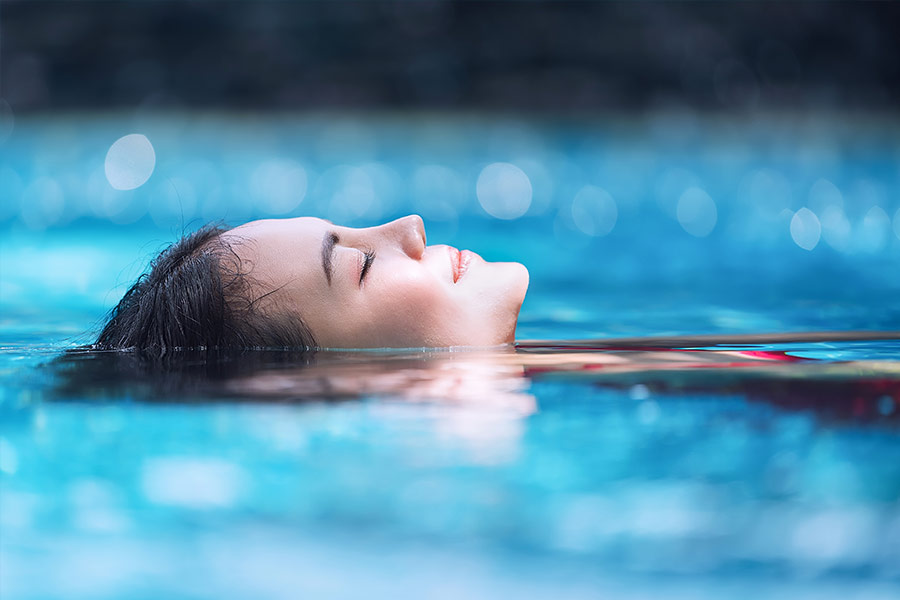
(874, 230)
(696, 212)
(836, 228)
(130, 162)
(542, 182)
(662, 169)
(805, 229)
(823, 196)
(504, 190)
(594, 211)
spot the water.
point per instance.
(684, 435)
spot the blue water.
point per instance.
(648, 461)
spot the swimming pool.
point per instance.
(671, 454)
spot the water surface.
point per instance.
(667, 424)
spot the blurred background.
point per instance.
(620, 149)
(506, 57)
(662, 168)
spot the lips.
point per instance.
(459, 261)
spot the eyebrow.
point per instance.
(328, 241)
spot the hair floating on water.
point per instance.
(197, 296)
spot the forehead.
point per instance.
(275, 251)
(276, 230)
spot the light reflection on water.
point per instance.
(694, 467)
(599, 465)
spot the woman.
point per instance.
(307, 283)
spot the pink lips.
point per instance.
(459, 261)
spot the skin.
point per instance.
(408, 297)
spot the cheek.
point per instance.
(411, 311)
(401, 285)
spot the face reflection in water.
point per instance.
(379, 286)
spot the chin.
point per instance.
(516, 285)
(498, 295)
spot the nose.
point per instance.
(409, 233)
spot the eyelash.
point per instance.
(368, 259)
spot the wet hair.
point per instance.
(196, 296)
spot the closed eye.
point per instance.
(368, 259)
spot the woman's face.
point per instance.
(379, 286)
